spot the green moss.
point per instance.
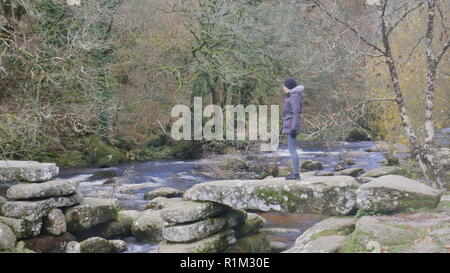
(257, 243)
(352, 243)
(103, 155)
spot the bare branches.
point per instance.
(352, 28)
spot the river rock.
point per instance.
(333, 195)
(7, 237)
(35, 210)
(396, 193)
(118, 228)
(96, 245)
(332, 226)
(72, 247)
(312, 165)
(49, 243)
(163, 192)
(370, 229)
(256, 243)
(355, 172)
(163, 202)
(214, 244)
(149, 226)
(252, 225)
(103, 174)
(22, 228)
(191, 211)
(54, 188)
(27, 171)
(91, 212)
(193, 232)
(55, 222)
(324, 244)
(377, 172)
(118, 246)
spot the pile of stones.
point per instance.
(181, 226)
(42, 214)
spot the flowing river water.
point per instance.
(138, 178)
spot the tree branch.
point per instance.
(327, 12)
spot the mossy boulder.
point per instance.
(103, 155)
(22, 228)
(332, 195)
(96, 245)
(312, 165)
(393, 193)
(148, 227)
(91, 212)
(252, 225)
(256, 243)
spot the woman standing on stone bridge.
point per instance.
(291, 121)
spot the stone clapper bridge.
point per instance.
(211, 216)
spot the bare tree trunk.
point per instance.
(426, 155)
(431, 168)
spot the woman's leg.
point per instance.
(292, 147)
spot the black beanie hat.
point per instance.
(290, 83)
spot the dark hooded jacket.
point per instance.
(293, 101)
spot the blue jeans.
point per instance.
(292, 147)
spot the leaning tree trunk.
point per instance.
(426, 154)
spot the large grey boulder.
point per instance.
(22, 228)
(214, 244)
(396, 193)
(193, 232)
(7, 237)
(55, 222)
(333, 195)
(163, 192)
(27, 171)
(337, 226)
(188, 211)
(35, 210)
(149, 226)
(377, 172)
(91, 212)
(54, 188)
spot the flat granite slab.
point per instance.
(331, 195)
(27, 171)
